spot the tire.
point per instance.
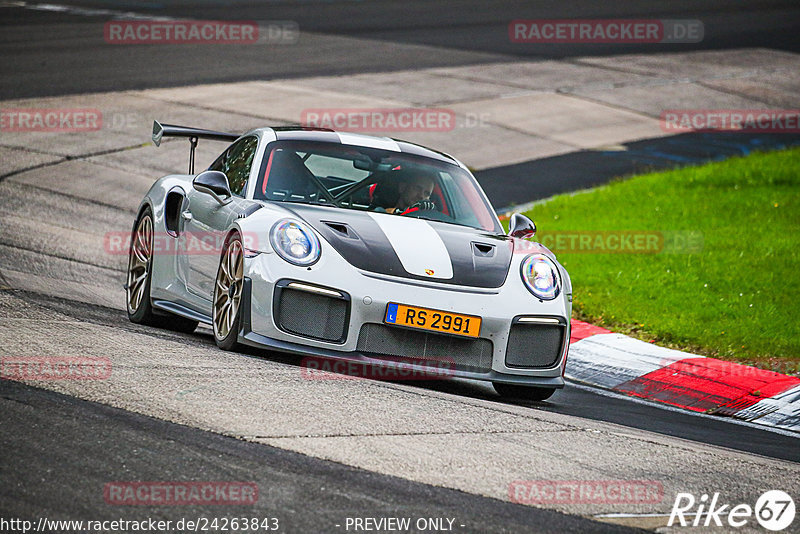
(137, 287)
(140, 262)
(226, 315)
(530, 393)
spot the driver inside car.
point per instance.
(414, 195)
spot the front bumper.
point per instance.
(368, 295)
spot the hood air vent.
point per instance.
(340, 228)
(483, 250)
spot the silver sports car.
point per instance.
(341, 246)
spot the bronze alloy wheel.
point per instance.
(139, 262)
(140, 274)
(228, 293)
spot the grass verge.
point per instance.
(712, 259)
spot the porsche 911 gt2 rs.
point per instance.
(349, 247)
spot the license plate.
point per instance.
(433, 320)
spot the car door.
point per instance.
(206, 220)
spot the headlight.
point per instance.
(295, 242)
(540, 275)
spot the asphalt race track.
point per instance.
(320, 451)
(305, 494)
(55, 52)
(574, 401)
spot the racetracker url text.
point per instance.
(199, 524)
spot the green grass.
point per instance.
(736, 297)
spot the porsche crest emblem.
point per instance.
(429, 272)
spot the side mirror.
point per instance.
(521, 227)
(213, 183)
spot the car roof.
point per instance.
(301, 133)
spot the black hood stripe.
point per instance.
(356, 236)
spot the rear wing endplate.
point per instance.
(193, 134)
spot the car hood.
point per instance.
(411, 248)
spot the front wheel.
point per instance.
(226, 316)
(531, 393)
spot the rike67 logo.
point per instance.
(774, 510)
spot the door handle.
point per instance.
(187, 215)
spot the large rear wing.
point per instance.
(193, 134)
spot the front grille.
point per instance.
(534, 345)
(474, 355)
(311, 314)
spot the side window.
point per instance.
(235, 163)
(238, 162)
(219, 163)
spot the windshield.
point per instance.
(361, 178)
